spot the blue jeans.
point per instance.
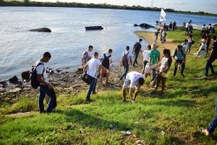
(52, 102)
(92, 88)
(188, 48)
(209, 65)
(213, 124)
(126, 69)
(135, 59)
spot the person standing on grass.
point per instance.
(106, 61)
(184, 45)
(210, 129)
(86, 56)
(154, 59)
(91, 68)
(190, 42)
(212, 57)
(137, 49)
(133, 79)
(45, 87)
(179, 57)
(126, 60)
(146, 57)
(163, 71)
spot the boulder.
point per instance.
(44, 29)
(13, 80)
(26, 75)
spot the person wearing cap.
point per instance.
(179, 57)
(133, 80)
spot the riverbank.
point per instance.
(173, 118)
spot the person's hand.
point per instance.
(50, 86)
(107, 70)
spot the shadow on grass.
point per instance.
(86, 120)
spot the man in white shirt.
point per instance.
(126, 60)
(45, 87)
(133, 79)
(92, 67)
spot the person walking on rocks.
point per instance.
(45, 87)
(137, 49)
(126, 60)
(106, 61)
(133, 79)
(87, 55)
(91, 69)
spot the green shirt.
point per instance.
(154, 56)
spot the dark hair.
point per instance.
(149, 46)
(96, 54)
(185, 40)
(179, 46)
(127, 48)
(90, 46)
(47, 54)
(140, 40)
(110, 51)
(214, 37)
(141, 81)
(167, 51)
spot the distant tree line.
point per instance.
(92, 5)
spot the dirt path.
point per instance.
(149, 36)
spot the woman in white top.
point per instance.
(163, 71)
(190, 42)
(202, 50)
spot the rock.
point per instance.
(80, 69)
(135, 25)
(146, 26)
(13, 80)
(26, 75)
(44, 29)
(3, 84)
(77, 86)
(2, 89)
(15, 90)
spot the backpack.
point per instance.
(33, 78)
(105, 61)
(181, 52)
(137, 47)
(124, 60)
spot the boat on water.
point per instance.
(94, 28)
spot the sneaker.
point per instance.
(183, 75)
(204, 131)
(133, 102)
(89, 100)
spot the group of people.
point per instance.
(152, 65)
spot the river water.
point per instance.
(20, 48)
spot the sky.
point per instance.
(185, 5)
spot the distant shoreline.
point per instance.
(28, 3)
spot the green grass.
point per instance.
(172, 118)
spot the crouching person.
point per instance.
(163, 71)
(133, 79)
